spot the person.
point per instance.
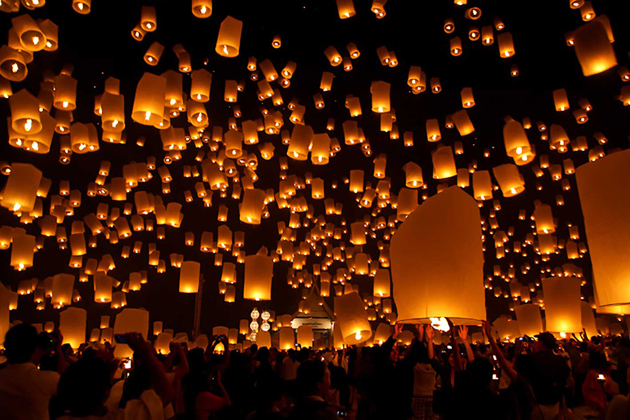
(313, 379)
(203, 383)
(424, 376)
(550, 376)
(84, 388)
(25, 391)
(520, 388)
(598, 385)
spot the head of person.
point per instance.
(20, 343)
(84, 387)
(597, 361)
(480, 372)
(546, 341)
(313, 378)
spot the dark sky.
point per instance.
(99, 46)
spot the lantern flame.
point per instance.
(440, 324)
(28, 125)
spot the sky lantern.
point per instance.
(148, 106)
(252, 206)
(20, 191)
(449, 250)
(72, 324)
(258, 276)
(25, 116)
(593, 48)
(189, 277)
(305, 336)
(352, 319)
(510, 179)
(202, 8)
(345, 9)
(563, 313)
(516, 143)
(380, 97)
(604, 195)
(443, 163)
(529, 319)
(229, 39)
(12, 64)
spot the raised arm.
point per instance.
(463, 334)
(146, 353)
(428, 336)
(503, 362)
(456, 356)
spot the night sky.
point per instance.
(99, 45)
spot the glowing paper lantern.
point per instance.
(202, 8)
(229, 39)
(127, 321)
(594, 48)
(62, 287)
(20, 191)
(252, 206)
(189, 277)
(287, 338)
(25, 116)
(148, 106)
(258, 277)
(510, 179)
(529, 319)
(435, 252)
(72, 324)
(516, 143)
(562, 304)
(345, 8)
(588, 319)
(352, 319)
(380, 97)
(305, 336)
(12, 64)
(604, 188)
(22, 250)
(443, 163)
(382, 283)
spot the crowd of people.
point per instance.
(537, 378)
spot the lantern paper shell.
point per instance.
(529, 319)
(229, 39)
(604, 188)
(20, 191)
(305, 336)
(148, 106)
(593, 48)
(127, 321)
(563, 313)
(258, 277)
(352, 319)
(189, 277)
(72, 324)
(287, 338)
(437, 261)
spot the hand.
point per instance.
(175, 347)
(138, 344)
(463, 332)
(397, 330)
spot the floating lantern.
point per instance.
(229, 39)
(450, 248)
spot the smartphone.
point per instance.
(120, 338)
(127, 364)
(495, 377)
